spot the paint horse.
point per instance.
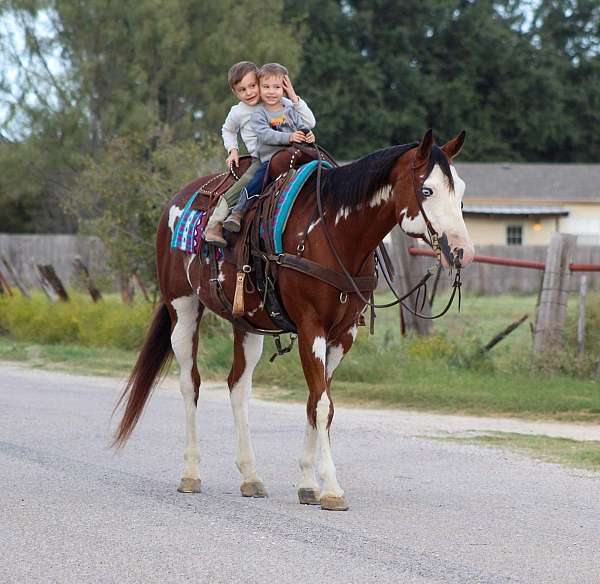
(415, 186)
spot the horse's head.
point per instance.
(428, 194)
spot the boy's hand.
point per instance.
(233, 158)
(289, 89)
(310, 138)
(297, 137)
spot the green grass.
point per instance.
(560, 450)
(445, 372)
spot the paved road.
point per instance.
(422, 511)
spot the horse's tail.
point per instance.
(151, 365)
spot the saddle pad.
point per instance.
(287, 199)
(187, 235)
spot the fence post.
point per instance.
(553, 298)
(406, 277)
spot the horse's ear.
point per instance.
(454, 146)
(425, 146)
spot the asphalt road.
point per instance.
(422, 510)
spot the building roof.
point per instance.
(529, 210)
(499, 182)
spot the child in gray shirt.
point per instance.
(276, 124)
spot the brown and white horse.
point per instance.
(414, 186)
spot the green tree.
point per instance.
(90, 71)
(121, 192)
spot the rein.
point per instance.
(434, 242)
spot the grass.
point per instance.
(445, 372)
(560, 450)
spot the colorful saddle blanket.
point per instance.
(189, 228)
(286, 201)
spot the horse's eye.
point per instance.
(426, 192)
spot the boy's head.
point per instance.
(270, 80)
(243, 81)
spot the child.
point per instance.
(243, 81)
(276, 123)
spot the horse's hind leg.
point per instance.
(246, 354)
(186, 313)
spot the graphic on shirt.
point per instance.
(277, 122)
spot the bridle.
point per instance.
(439, 245)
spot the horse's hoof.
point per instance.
(309, 496)
(253, 489)
(189, 486)
(334, 504)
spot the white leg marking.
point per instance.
(335, 355)
(186, 308)
(331, 488)
(308, 458)
(320, 349)
(240, 396)
(221, 276)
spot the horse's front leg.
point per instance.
(246, 354)
(314, 352)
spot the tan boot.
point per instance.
(233, 222)
(214, 235)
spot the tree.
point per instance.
(91, 71)
(120, 193)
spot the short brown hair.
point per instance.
(239, 70)
(272, 70)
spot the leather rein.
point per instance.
(438, 244)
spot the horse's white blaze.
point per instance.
(174, 214)
(335, 354)
(240, 396)
(415, 225)
(443, 208)
(320, 349)
(182, 337)
(331, 487)
(381, 196)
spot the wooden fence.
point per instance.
(489, 279)
(24, 251)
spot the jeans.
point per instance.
(253, 189)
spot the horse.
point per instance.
(415, 186)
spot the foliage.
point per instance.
(88, 72)
(120, 194)
(445, 372)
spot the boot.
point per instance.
(214, 235)
(233, 223)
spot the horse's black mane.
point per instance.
(353, 184)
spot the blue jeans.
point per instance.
(253, 189)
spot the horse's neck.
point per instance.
(365, 227)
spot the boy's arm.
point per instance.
(264, 132)
(298, 104)
(302, 109)
(230, 130)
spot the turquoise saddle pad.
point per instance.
(288, 198)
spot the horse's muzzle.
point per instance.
(456, 256)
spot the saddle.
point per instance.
(258, 257)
